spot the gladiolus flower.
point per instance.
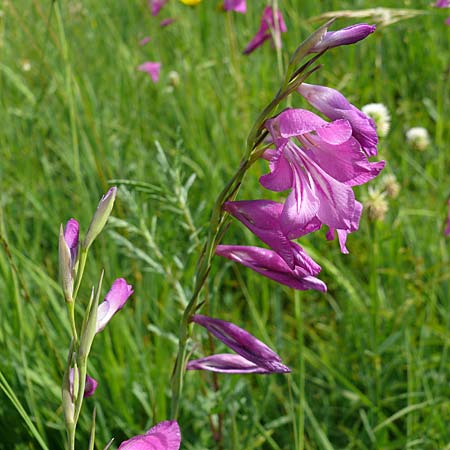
(115, 299)
(334, 105)
(145, 40)
(271, 265)
(253, 356)
(156, 5)
(319, 171)
(345, 36)
(163, 436)
(268, 30)
(235, 5)
(262, 217)
(152, 69)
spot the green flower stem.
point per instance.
(71, 310)
(80, 271)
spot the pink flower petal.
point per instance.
(152, 69)
(163, 436)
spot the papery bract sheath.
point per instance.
(345, 36)
(165, 435)
(100, 218)
(115, 299)
(243, 343)
(269, 264)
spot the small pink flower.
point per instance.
(163, 436)
(235, 5)
(152, 68)
(156, 5)
(145, 40)
(166, 22)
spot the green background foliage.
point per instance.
(370, 357)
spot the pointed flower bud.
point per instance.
(345, 36)
(271, 265)
(100, 218)
(114, 301)
(68, 253)
(163, 436)
(264, 359)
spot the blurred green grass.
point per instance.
(374, 349)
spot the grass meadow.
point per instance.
(370, 358)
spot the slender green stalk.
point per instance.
(300, 445)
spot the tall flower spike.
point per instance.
(268, 30)
(262, 217)
(115, 299)
(334, 105)
(163, 436)
(319, 162)
(250, 350)
(271, 265)
(345, 36)
(235, 5)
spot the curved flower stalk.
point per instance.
(163, 436)
(272, 25)
(334, 105)
(271, 265)
(253, 356)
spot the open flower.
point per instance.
(235, 5)
(319, 162)
(271, 265)
(115, 299)
(272, 25)
(253, 356)
(152, 69)
(262, 217)
(334, 105)
(165, 435)
(345, 36)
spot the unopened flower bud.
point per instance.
(418, 138)
(390, 185)
(100, 218)
(380, 114)
(376, 205)
(68, 256)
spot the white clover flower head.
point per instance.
(390, 185)
(380, 114)
(376, 204)
(174, 78)
(26, 65)
(418, 138)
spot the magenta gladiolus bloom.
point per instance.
(262, 217)
(89, 387)
(447, 228)
(163, 436)
(271, 265)
(319, 162)
(268, 30)
(152, 68)
(253, 356)
(345, 36)
(334, 105)
(442, 4)
(235, 5)
(156, 5)
(115, 299)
